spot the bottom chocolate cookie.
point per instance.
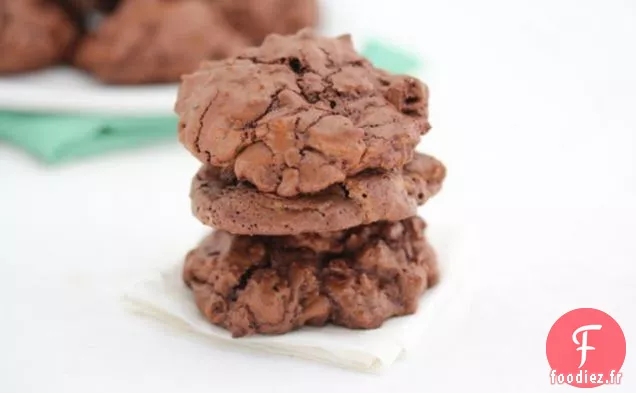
(356, 278)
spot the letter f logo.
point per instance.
(583, 344)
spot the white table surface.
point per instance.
(534, 110)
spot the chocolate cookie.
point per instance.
(258, 18)
(33, 34)
(154, 41)
(300, 113)
(220, 201)
(356, 278)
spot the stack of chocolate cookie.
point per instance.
(311, 180)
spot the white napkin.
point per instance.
(166, 298)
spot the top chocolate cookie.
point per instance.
(300, 113)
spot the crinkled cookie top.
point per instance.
(300, 113)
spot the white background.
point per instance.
(534, 110)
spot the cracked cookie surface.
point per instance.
(300, 113)
(153, 41)
(33, 34)
(356, 278)
(221, 201)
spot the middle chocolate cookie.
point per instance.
(221, 201)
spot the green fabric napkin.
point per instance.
(60, 137)
(390, 57)
(55, 138)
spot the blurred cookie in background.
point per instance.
(258, 18)
(33, 34)
(156, 41)
(140, 41)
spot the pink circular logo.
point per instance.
(586, 349)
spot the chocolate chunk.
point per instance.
(356, 278)
(300, 113)
(221, 201)
(86, 6)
